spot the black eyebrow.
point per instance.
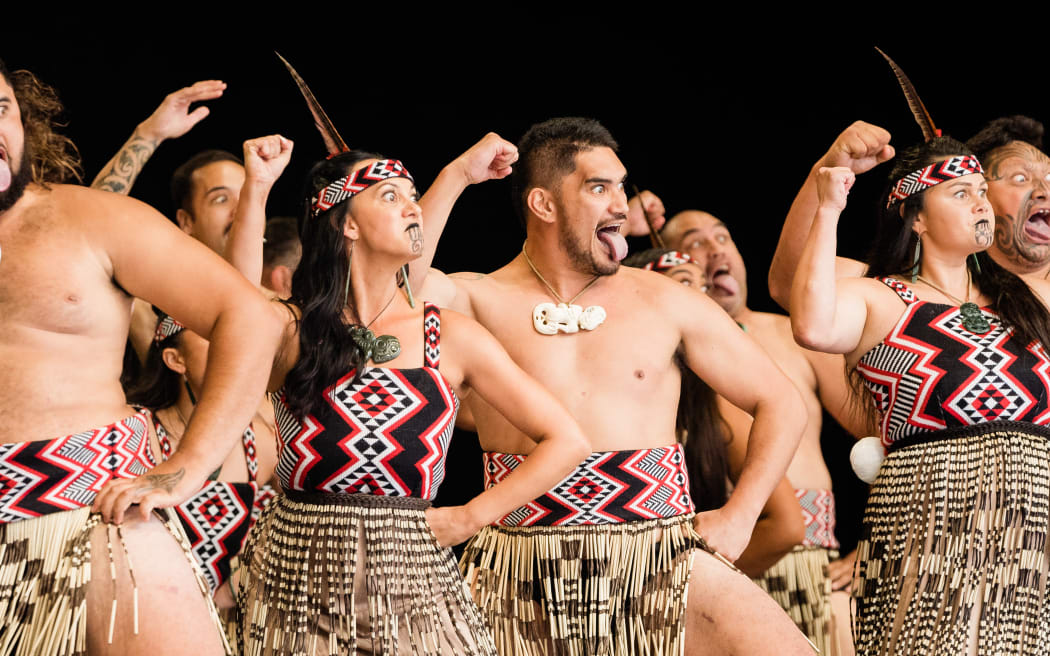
(602, 180)
(219, 188)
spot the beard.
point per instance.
(19, 181)
(580, 255)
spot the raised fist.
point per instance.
(636, 225)
(833, 185)
(266, 157)
(489, 159)
(861, 147)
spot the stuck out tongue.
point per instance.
(5, 175)
(1038, 229)
(615, 242)
(727, 283)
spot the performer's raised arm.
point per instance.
(170, 120)
(264, 160)
(827, 314)
(861, 147)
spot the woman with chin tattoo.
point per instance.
(351, 558)
(951, 348)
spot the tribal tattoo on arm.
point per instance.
(120, 172)
(166, 482)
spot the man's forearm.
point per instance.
(119, 173)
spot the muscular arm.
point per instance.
(732, 364)
(170, 120)
(120, 172)
(828, 314)
(779, 527)
(211, 299)
(489, 159)
(264, 160)
(560, 443)
(860, 147)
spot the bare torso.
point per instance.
(773, 333)
(63, 320)
(619, 381)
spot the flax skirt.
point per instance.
(953, 555)
(45, 566)
(327, 574)
(582, 590)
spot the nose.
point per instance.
(619, 205)
(413, 209)
(1041, 192)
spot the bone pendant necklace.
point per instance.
(549, 319)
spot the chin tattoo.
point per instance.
(416, 234)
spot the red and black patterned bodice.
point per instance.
(218, 517)
(930, 373)
(386, 433)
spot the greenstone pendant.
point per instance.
(973, 320)
(377, 349)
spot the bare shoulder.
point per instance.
(85, 203)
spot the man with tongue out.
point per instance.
(70, 262)
(799, 582)
(606, 562)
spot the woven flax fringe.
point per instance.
(800, 584)
(298, 574)
(953, 551)
(582, 590)
(45, 566)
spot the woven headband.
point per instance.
(166, 327)
(356, 182)
(934, 174)
(667, 261)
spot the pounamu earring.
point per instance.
(402, 281)
(976, 263)
(349, 260)
(915, 260)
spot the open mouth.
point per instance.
(5, 170)
(721, 281)
(1037, 227)
(610, 237)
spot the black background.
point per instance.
(710, 116)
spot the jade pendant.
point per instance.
(377, 349)
(973, 320)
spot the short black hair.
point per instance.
(282, 244)
(182, 179)
(1002, 131)
(547, 153)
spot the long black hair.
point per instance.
(157, 387)
(699, 425)
(893, 250)
(326, 351)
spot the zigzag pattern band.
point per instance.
(609, 487)
(934, 174)
(356, 182)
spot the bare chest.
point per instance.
(52, 282)
(627, 355)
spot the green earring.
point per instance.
(915, 260)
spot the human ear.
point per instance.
(540, 203)
(185, 220)
(173, 360)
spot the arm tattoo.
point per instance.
(166, 482)
(120, 172)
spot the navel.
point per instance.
(639, 374)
